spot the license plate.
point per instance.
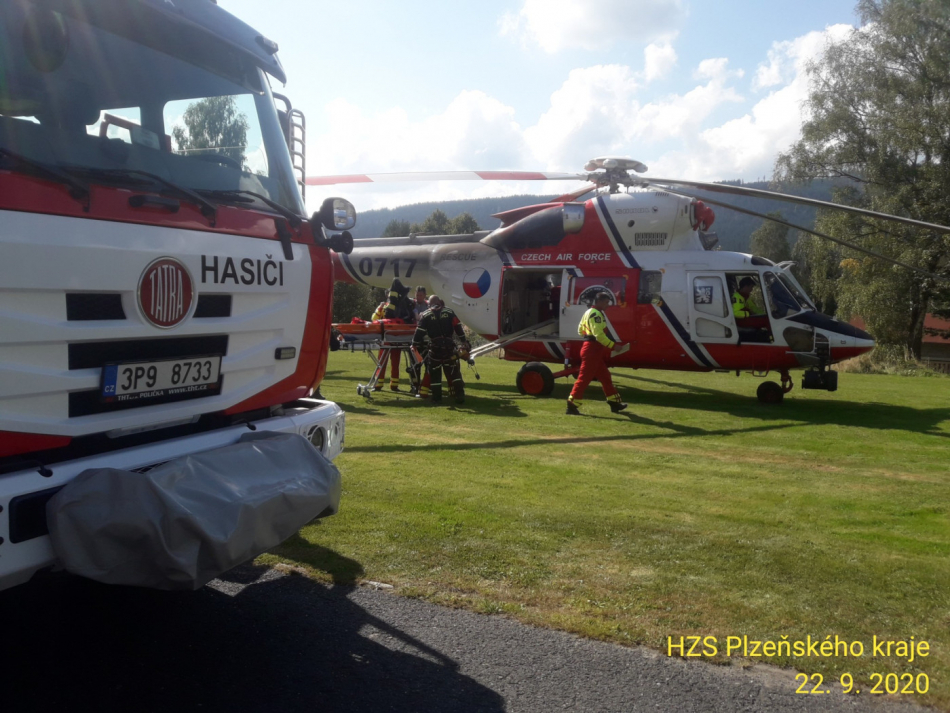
(166, 379)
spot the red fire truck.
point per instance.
(162, 292)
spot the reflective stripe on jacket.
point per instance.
(740, 306)
(594, 324)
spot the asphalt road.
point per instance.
(263, 640)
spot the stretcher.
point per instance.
(380, 340)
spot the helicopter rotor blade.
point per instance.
(760, 193)
(839, 241)
(445, 176)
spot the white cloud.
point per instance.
(747, 146)
(555, 25)
(475, 130)
(787, 60)
(590, 115)
(597, 111)
(658, 60)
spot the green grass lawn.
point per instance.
(699, 511)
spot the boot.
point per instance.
(459, 391)
(437, 393)
(617, 406)
(572, 409)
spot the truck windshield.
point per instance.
(78, 99)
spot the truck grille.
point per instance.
(212, 305)
(94, 306)
(88, 306)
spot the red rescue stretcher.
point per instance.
(380, 340)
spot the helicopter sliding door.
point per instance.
(577, 295)
(710, 315)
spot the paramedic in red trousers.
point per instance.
(397, 310)
(594, 353)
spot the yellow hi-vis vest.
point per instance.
(742, 306)
(594, 324)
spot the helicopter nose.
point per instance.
(849, 343)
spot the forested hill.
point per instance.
(372, 223)
(732, 227)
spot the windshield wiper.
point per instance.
(224, 194)
(208, 210)
(78, 189)
(283, 232)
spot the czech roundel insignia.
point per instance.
(476, 282)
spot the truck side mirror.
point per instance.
(336, 214)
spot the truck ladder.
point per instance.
(294, 125)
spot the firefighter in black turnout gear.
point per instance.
(399, 305)
(441, 326)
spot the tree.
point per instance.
(352, 300)
(396, 228)
(438, 223)
(817, 265)
(214, 124)
(878, 113)
(463, 224)
(771, 240)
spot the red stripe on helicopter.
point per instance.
(511, 175)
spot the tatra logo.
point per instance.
(165, 292)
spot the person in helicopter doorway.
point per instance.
(747, 313)
(594, 353)
(440, 325)
(421, 304)
(398, 309)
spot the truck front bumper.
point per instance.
(25, 546)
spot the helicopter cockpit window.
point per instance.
(781, 301)
(792, 284)
(650, 286)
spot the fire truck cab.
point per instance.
(162, 292)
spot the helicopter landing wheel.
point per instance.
(770, 393)
(535, 379)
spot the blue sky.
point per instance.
(704, 90)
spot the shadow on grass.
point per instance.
(342, 570)
(252, 640)
(832, 412)
(678, 432)
(383, 401)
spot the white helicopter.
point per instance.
(525, 285)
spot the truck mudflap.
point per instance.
(186, 521)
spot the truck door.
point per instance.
(710, 316)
